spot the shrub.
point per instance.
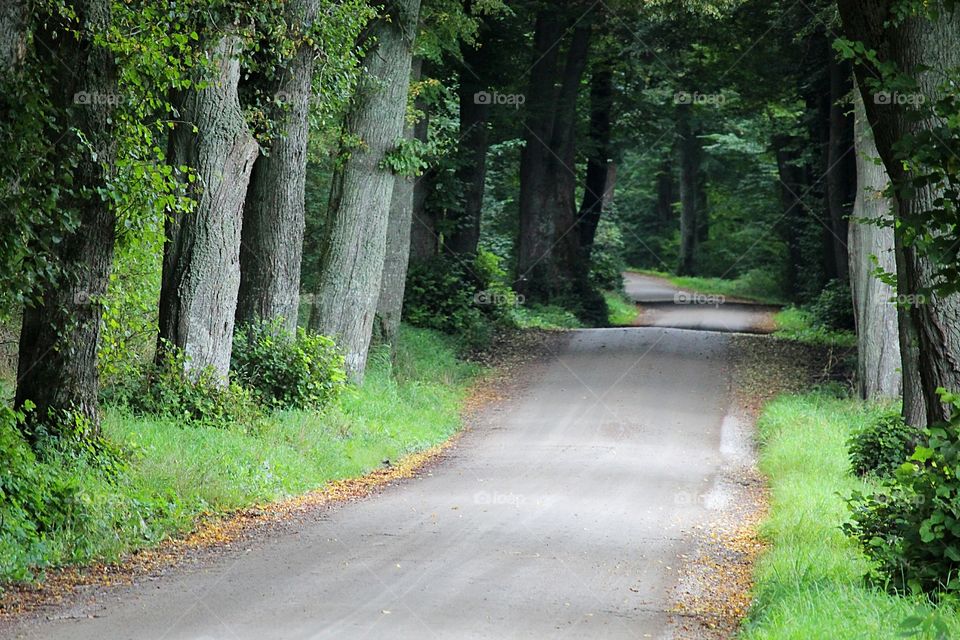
(882, 445)
(606, 259)
(833, 308)
(910, 525)
(299, 370)
(196, 396)
(468, 300)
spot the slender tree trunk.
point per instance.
(840, 164)
(57, 369)
(598, 160)
(355, 239)
(871, 246)
(397, 257)
(922, 48)
(424, 240)
(791, 183)
(666, 194)
(689, 149)
(201, 262)
(536, 274)
(271, 249)
(474, 141)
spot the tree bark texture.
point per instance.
(598, 159)
(923, 49)
(201, 262)
(13, 34)
(354, 245)
(871, 246)
(60, 335)
(271, 248)
(397, 257)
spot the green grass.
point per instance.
(797, 325)
(809, 583)
(546, 317)
(623, 312)
(177, 473)
(754, 286)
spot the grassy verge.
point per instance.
(809, 582)
(623, 312)
(797, 325)
(544, 317)
(753, 286)
(175, 473)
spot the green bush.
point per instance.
(910, 525)
(299, 370)
(882, 445)
(198, 397)
(467, 300)
(606, 259)
(833, 308)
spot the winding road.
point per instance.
(563, 513)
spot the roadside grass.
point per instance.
(753, 286)
(175, 473)
(798, 325)
(544, 317)
(623, 312)
(809, 582)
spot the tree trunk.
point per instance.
(13, 35)
(201, 262)
(922, 48)
(666, 195)
(791, 183)
(870, 246)
(396, 260)
(271, 249)
(598, 160)
(355, 238)
(474, 141)
(536, 275)
(60, 335)
(689, 148)
(840, 165)
(423, 226)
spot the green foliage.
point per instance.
(300, 370)
(544, 317)
(833, 308)
(910, 524)
(798, 325)
(623, 311)
(606, 260)
(881, 445)
(469, 300)
(192, 396)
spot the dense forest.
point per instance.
(218, 212)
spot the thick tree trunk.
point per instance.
(871, 246)
(13, 35)
(474, 141)
(355, 238)
(201, 262)
(57, 368)
(397, 257)
(689, 150)
(598, 160)
(271, 249)
(840, 165)
(923, 49)
(536, 274)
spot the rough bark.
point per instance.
(689, 151)
(271, 249)
(870, 246)
(355, 238)
(598, 160)
(13, 35)
(57, 368)
(536, 275)
(921, 48)
(397, 257)
(201, 262)
(474, 141)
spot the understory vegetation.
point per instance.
(161, 472)
(815, 580)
